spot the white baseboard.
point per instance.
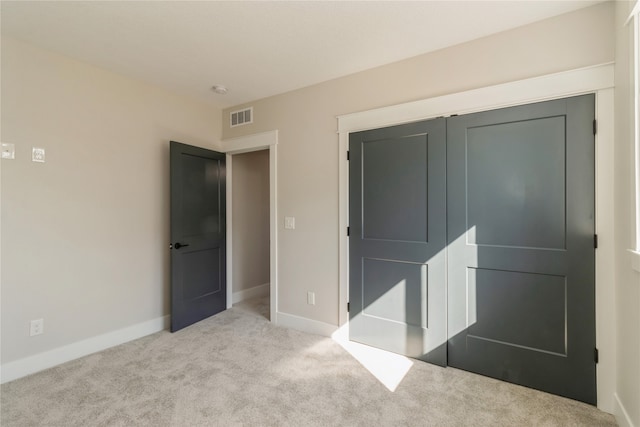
(29, 365)
(255, 292)
(622, 416)
(305, 325)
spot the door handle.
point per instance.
(180, 245)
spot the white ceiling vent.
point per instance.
(242, 117)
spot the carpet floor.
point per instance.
(237, 369)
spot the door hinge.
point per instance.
(348, 231)
(595, 241)
(595, 127)
(348, 307)
(596, 356)
(348, 156)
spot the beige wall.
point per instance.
(627, 280)
(250, 225)
(85, 235)
(308, 145)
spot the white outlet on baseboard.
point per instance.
(37, 327)
(311, 298)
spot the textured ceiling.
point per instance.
(258, 49)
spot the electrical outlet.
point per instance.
(289, 223)
(311, 298)
(37, 327)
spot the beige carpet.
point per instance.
(236, 369)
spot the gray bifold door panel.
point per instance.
(398, 235)
(472, 243)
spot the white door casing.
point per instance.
(597, 79)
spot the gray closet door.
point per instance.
(397, 246)
(521, 287)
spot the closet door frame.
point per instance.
(598, 80)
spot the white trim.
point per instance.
(229, 236)
(39, 362)
(244, 144)
(273, 228)
(255, 142)
(634, 260)
(305, 325)
(254, 292)
(636, 125)
(622, 416)
(560, 85)
(343, 223)
(605, 254)
(598, 79)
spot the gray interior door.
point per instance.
(397, 239)
(198, 234)
(521, 260)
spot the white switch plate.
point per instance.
(8, 151)
(37, 327)
(311, 298)
(37, 155)
(289, 223)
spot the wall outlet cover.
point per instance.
(289, 222)
(8, 151)
(37, 155)
(36, 327)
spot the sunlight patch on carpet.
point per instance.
(388, 368)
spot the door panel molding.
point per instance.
(598, 79)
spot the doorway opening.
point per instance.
(250, 229)
(268, 143)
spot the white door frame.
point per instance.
(597, 79)
(245, 144)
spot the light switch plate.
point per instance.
(289, 222)
(37, 155)
(8, 151)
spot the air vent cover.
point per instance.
(242, 117)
